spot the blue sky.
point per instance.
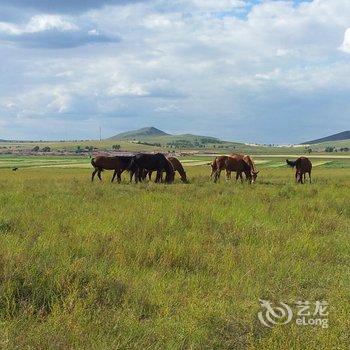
(255, 71)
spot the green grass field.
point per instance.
(133, 146)
(141, 141)
(182, 266)
(265, 161)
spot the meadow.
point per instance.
(105, 266)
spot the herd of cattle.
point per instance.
(142, 165)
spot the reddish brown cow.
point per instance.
(302, 165)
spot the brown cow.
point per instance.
(117, 163)
(303, 165)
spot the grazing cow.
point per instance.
(117, 163)
(302, 165)
(177, 167)
(144, 162)
(237, 163)
(14, 169)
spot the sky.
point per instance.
(242, 70)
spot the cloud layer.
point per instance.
(259, 71)
(61, 6)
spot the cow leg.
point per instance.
(228, 175)
(99, 174)
(310, 176)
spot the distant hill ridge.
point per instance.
(140, 133)
(344, 135)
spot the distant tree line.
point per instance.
(196, 143)
(44, 149)
(155, 144)
(333, 149)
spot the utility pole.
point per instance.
(100, 134)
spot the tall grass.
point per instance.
(108, 266)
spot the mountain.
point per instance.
(345, 135)
(154, 135)
(139, 134)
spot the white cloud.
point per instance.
(346, 42)
(38, 23)
(219, 5)
(61, 102)
(157, 21)
(127, 89)
(167, 108)
(9, 28)
(8, 104)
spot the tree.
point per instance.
(36, 149)
(46, 149)
(116, 147)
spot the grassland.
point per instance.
(337, 144)
(84, 161)
(73, 145)
(159, 143)
(108, 266)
